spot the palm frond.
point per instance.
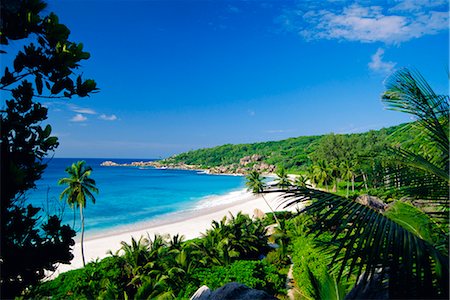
(368, 242)
(417, 161)
(416, 183)
(408, 92)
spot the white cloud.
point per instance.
(82, 110)
(416, 5)
(78, 118)
(85, 111)
(251, 112)
(108, 118)
(378, 65)
(392, 25)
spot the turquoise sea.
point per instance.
(129, 195)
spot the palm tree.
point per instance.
(301, 181)
(310, 174)
(388, 244)
(322, 173)
(283, 179)
(256, 185)
(79, 188)
(348, 174)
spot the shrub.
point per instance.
(310, 256)
(281, 215)
(85, 283)
(278, 259)
(307, 258)
(254, 274)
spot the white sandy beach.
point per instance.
(190, 224)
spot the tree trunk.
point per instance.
(348, 186)
(82, 234)
(365, 181)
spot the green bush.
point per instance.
(313, 275)
(254, 274)
(307, 257)
(281, 215)
(279, 260)
(85, 283)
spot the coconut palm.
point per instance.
(322, 173)
(301, 181)
(310, 174)
(256, 185)
(390, 246)
(80, 187)
(283, 179)
(347, 174)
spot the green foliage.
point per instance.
(423, 171)
(283, 179)
(254, 182)
(306, 258)
(366, 239)
(45, 67)
(86, 283)
(311, 257)
(327, 288)
(290, 154)
(236, 238)
(279, 260)
(270, 219)
(79, 185)
(351, 162)
(419, 223)
(296, 154)
(254, 274)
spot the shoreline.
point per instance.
(226, 199)
(191, 224)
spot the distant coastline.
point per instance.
(246, 164)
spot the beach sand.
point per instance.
(190, 224)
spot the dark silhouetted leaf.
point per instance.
(39, 84)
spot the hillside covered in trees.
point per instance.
(295, 154)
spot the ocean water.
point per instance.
(129, 195)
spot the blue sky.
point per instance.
(182, 75)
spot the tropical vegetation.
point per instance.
(298, 154)
(169, 267)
